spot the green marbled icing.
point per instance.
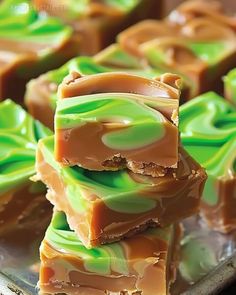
(123, 109)
(20, 21)
(208, 132)
(100, 260)
(230, 85)
(117, 189)
(19, 134)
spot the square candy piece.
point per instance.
(208, 131)
(143, 264)
(106, 206)
(115, 120)
(191, 49)
(30, 44)
(41, 93)
(19, 197)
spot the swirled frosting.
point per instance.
(20, 22)
(208, 132)
(19, 134)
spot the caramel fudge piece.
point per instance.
(208, 132)
(230, 86)
(143, 264)
(30, 44)
(19, 197)
(192, 49)
(98, 22)
(105, 206)
(41, 93)
(132, 122)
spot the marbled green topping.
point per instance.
(20, 21)
(19, 134)
(230, 85)
(133, 117)
(119, 191)
(208, 132)
(197, 258)
(103, 260)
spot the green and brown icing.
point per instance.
(208, 132)
(130, 264)
(103, 206)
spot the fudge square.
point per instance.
(197, 41)
(105, 206)
(19, 197)
(208, 132)
(131, 121)
(143, 264)
(30, 44)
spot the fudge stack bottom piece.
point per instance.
(120, 183)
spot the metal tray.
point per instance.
(19, 258)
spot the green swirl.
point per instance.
(19, 134)
(101, 260)
(230, 85)
(20, 21)
(208, 132)
(124, 109)
(117, 189)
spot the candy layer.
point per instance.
(208, 133)
(105, 206)
(115, 108)
(126, 266)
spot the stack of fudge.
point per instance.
(120, 183)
